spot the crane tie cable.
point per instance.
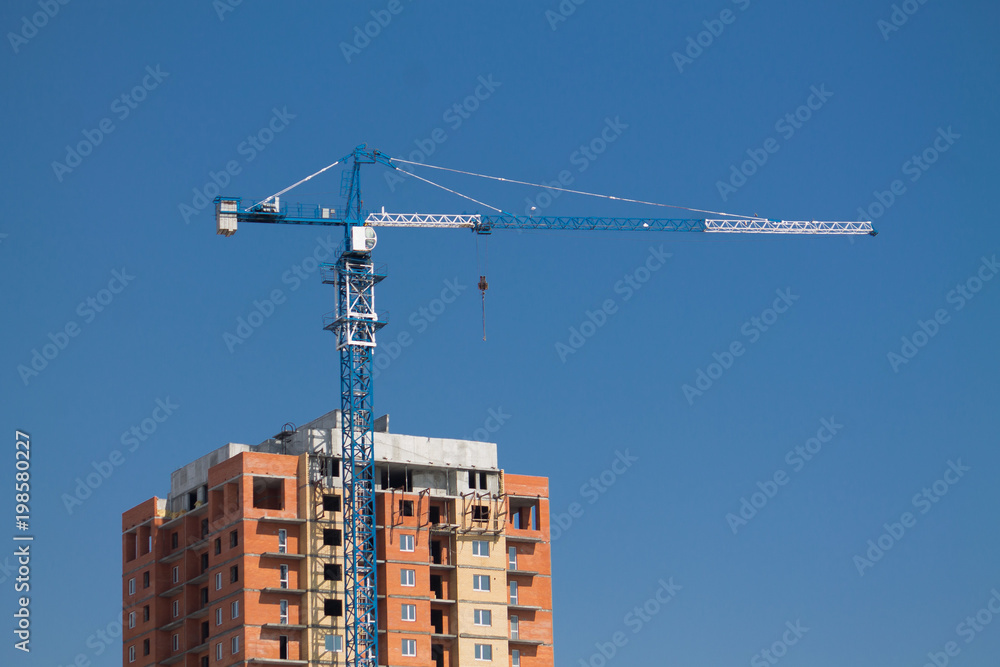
(278, 194)
(578, 192)
(437, 185)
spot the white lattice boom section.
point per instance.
(761, 226)
(384, 219)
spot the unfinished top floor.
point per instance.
(404, 462)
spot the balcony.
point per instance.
(280, 554)
(522, 573)
(280, 519)
(529, 642)
(285, 591)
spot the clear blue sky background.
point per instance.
(557, 84)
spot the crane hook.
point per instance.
(483, 286)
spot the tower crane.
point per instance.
(355, 322)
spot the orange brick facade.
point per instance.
(252, 571)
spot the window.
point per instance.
(512, 558)
(407, 577)
(335, 643)
(409, 612)
(283, 647)
(204, 527)
(268, 493)
(174, 540)
(218, 581)
(333, 607)
(218, 546)
(330, 467)
(283, 576)
(176, 608)
(513, 592)
(218, 616)
(513, 627)
(234, 609)
(176, 574)
(145, 613)
(145, 579)
(410, 647)
(534, 517)
(406, 542)
(131, 586)
(480, 513)
(234, 574)
(175, 642)
(482, 617)
(331, 504)
(480, 582)
(131, 654)
(406, 508)
(331, 537)
(218, 651)
(480, 548)
(204, 562)
(474, 477)
(332, 572)
(515, 658)
(145, 647)
(236, 644)
(131, 619)
(282, 541)
(283, 612)
(484, 652)
(234, 539)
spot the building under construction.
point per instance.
(243, 562)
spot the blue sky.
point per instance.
(902, 130)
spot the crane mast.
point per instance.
(355, 322)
